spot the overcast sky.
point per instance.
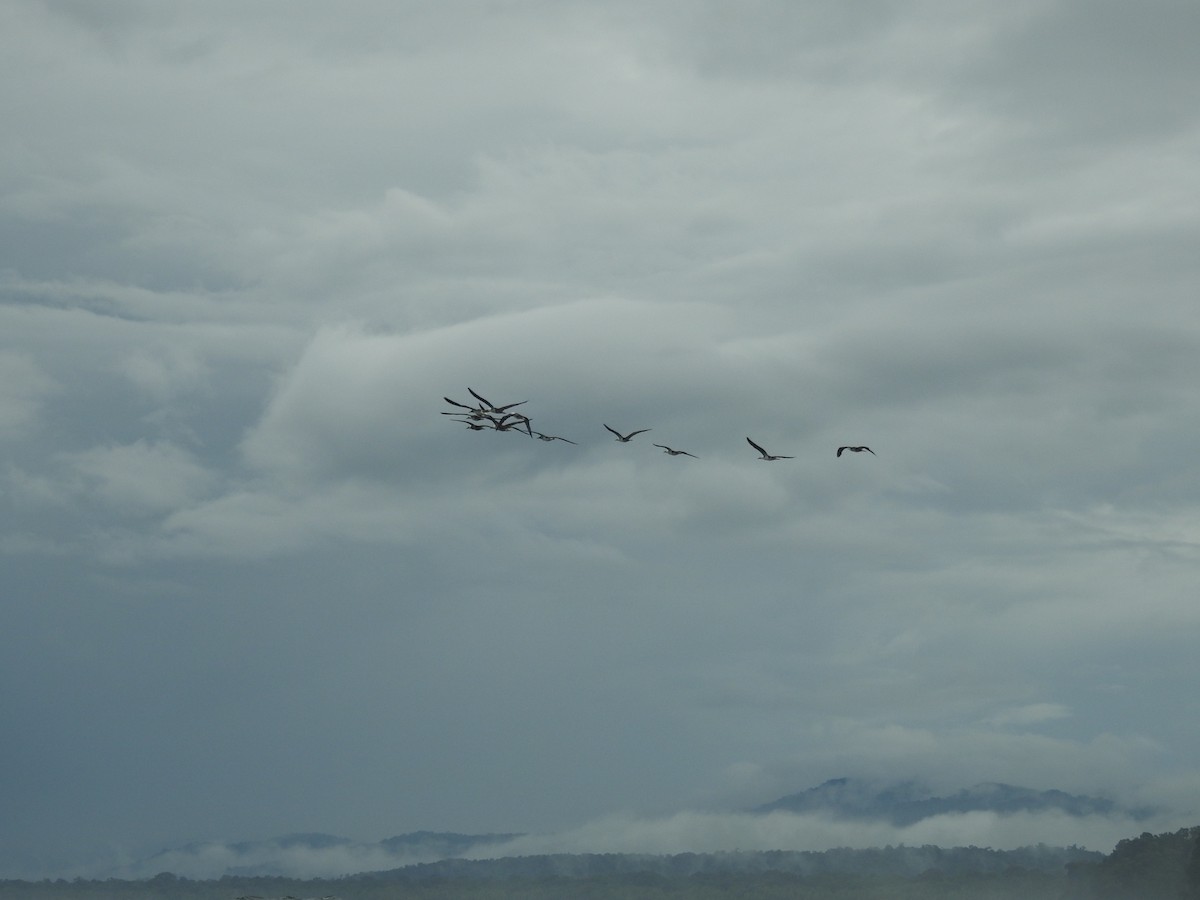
(254, 583)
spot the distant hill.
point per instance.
(904, 803)
(1150, 867)
(318, 855)
(308, 855)
(880, 861)
(890, 873)
(442, 844)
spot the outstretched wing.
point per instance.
(486, 403)
(840, 449)
(613, 430)
(756, 447)
(456, 403)
(632, 433)
(503, 423)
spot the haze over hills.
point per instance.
(309, 855)
(1150, 867)
(907, 802)
(892, 806)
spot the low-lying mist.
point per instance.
(684, 832)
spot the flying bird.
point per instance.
(489, 422)
(855, 450)
(551, 437)
(473, 411)
(489, 407)
(765, 455)
(625, 438)
(667, 450)
(503, 424)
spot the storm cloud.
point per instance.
(255, 584)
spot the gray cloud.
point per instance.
(1094, 73)
(23, 388)
(254, 582)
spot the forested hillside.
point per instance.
(1149, 867)
(1030, 873)
(1014, 885)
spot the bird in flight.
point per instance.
(551, 437)
(487, 405)
(506, 422)
(670, 452)
(471, 411)
(518, 421)
(855, 450)
(765, 455)
(625, 438)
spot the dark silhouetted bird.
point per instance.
(474, 412)
(489, 407)
(625, 438)
(855, 450)
(765, 455)
(489, 422)
(551, 437)
(518, 423)
(667, 450)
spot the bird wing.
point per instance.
(518, 420)
(613, 430)
(639, 431)
(869, 450)
(840, 449)
(664, 446)
(756, 447)
(486, 403)
(456, 403)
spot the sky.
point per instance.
(255, 583)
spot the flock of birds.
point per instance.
(483, 415)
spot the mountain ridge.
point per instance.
(316, 854)
(907, 802)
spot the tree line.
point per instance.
(1148, 867)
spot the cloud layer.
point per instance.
(256, 584)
